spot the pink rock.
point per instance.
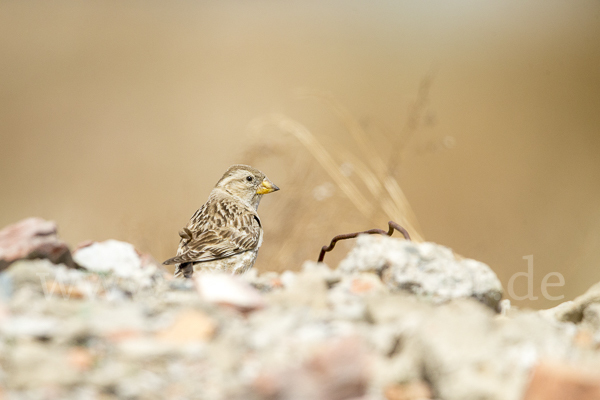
(33, 238)
(553, 381)
(189, 326)
(338, 369)
(417, 390)
(230, 290)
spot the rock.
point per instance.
(481, 356)
(346, 297)
(35, 365)
(427, 270)
(553, 381)
(140, 349)
(229, 290)
(26, 326)
(189, 326)
(114, 318)
(33, 238)
(306, 289)
(573, 311)
(331, 277)
(408, 391)
(363, 331)
(338, 370)
(110, 256)
(591, 316)
(29, 273)
(80, 358)
(264, 283)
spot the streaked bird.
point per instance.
(225, 233)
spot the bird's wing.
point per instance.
(231, 229)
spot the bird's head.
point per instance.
(247, 183)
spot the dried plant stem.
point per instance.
(395, 203)
(392, 226)
(303, 135)
(385, 190)
(411, 126)
(352, 125)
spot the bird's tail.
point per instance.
(184, 270)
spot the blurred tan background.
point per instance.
(117, 118)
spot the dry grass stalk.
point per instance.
(305, 222)
(307, 139)
(391, 202)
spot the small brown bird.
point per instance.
(225, 233)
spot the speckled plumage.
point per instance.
(225, 233)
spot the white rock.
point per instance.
(112, 256)
(428, 270)
(20, 326)
(229, 290)
(287, 278)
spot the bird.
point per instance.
(226, 232)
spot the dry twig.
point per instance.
(345, 236)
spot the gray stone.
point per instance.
(591, 316)
(468, 354)
(27, 326)
(33, 273)
(573, 311)
(427, 270)
(34, 365)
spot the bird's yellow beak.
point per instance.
(266, 187)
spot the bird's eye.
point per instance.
(249, 178)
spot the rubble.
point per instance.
(582, 309)
(554, 381)
(123, 328)
(33, 238)
(228, 290)
(427, 270)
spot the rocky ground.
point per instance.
(395, 320)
